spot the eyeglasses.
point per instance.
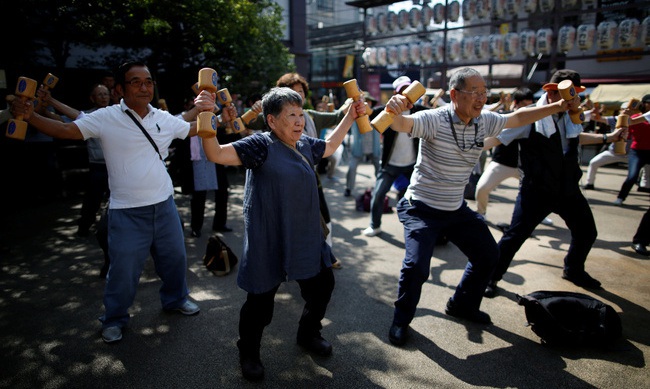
(476, 94)
(138, 83)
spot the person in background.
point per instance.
(551, 173)
(284, 233)
(362, 147)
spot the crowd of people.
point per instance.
(287, 224)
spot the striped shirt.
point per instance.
(444, 164)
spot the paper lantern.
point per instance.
(495, 46)
(453, 48)
(529, 6)
(371, 24)
(568, 4)
(382, 22)
(606, 33)
(414, 53)
(482, 9)
(438, 13)
(645, 31)
(543, 40)
(438, 48)
(403, 54)
(382, 56)
(481, 46)
(628, 32)
(467, 47)
(392, 21)
(427, 15)
(369, 56)
(512, 7)
(511, 44)
(403, 19)
(454, 11)
(426, 53)
(497, 7)
(393, 55)
(468, 9)
(527, 42)
(585, 35)
(415, 17)
(566, 38)
(546, 5)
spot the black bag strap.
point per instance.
(145, 133)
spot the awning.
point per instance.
(613, 95)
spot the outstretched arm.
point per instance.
(50, 127)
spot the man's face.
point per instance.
(101, 97)
(139, 86)
(470, 99)
(553, 96)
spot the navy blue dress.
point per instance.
(283, 238)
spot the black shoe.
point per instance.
(471, 315)
(346, 193)
(644, 190)
(589, 187)
(316, 345)
(641, 249)
(582, 279)
(251, 368)
(196, 234)
(398, 334)
(491, 289)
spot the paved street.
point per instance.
(50, 299)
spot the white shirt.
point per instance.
(136, 175)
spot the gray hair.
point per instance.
(277, 98)
(459, 78)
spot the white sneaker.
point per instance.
(547, 222)
(372, 231)
(618, 201)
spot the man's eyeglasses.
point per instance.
(476, 94)
(138, 83)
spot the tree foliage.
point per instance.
(241, 39)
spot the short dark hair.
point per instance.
(522, 94)
(459, 78)
(277, 98)
(120, 73)
(290, 79)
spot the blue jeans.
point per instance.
(385, 178)
(464, 228)
(133, 235)
(636, 159)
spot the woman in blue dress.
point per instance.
(284, 236)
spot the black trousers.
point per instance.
(96, 192)
(642, 234)
(257, 311)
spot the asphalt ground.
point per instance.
(51, 297)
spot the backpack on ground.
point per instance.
(567, 318)
(363, 202)
(219, 258)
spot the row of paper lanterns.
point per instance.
(480, 9)
(497, 46)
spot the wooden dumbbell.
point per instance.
(413, 92)
(25, 90)
(206, 122)
(622, 121)
(249, 115)
(354, 92)
(568, 92)
(49, 82)
(223, 96)
(633, 105)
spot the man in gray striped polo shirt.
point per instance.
(451, 141)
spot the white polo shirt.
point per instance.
(136, 175)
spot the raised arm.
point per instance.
(50, 127)
(528, 115)
(335, 139)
